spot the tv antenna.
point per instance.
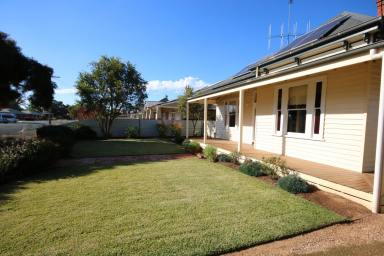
(286, 38)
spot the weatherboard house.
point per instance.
(318, 103)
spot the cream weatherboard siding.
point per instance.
(221, 131)
(232, 133)
(349, 100)
(248, 116)
(373, 91)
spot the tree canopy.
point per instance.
(109, 88)
(60, 110)
(79, 112)
(20, 74)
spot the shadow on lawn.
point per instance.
(124, 147)
(71, 168)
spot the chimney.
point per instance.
(380, 8)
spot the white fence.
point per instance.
(27, 129)
(20, 130)
(147, 128)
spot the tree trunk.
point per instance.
(194, 123)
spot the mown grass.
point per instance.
(176, 207)
(121, 147)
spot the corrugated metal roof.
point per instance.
(336, 26)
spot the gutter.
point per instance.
(236, 84)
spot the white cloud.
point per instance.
(157, 85)
(66, 91)
(194, 82)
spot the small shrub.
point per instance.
(59, 134)
(161, 130)
(224, 158)
(210, 153)
(23, 157)
(275, 167)
(235, 157)
(132, 132)
(179, 139)
(54, 131)
(293, 184)
(192, 146)
(84, 132)
(252, 168)
(175, 130)
(186, 143)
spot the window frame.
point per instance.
(285, 108)
(173, 116)
(310, 109)
(320, 135)
(227, 104)
(278, 132)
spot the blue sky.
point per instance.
(171, 42)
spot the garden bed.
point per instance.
(338, 204)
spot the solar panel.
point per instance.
(314, 35)
(244, 70)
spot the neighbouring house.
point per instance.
(169, 111)
(148, 110)
(318, 103)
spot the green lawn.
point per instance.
(120, 147)
(175, 207)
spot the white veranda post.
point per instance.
(157, 117)
(205, 119)
(378, 176)
(241, 116)
(187, 121)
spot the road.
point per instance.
(27, 128)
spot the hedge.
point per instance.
(59, 134)
(20, 158)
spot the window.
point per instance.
(278, 113)
(173, 116)
(231, 111)
(297, 104)
(317, 111)
(300, 109)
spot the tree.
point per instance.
(165, 99)
(110, 87)
(195, 109)
(60, 110)
(20, 75)
(79, 112)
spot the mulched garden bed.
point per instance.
(333, 202)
